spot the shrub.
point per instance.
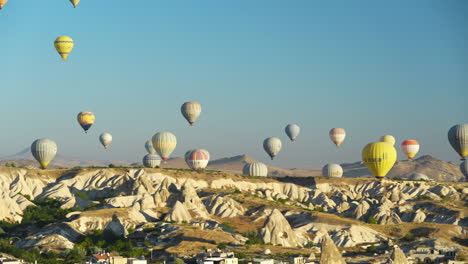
(372, 220)
(179, 261)
(424, 197)
(371, 249)
(82, 195)
(319, 209)
(253, 238)
(222, 246)
(240, 255)
(228, 225)
(237, 191)
(408, 237)
(309, 244)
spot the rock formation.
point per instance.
(277, 231)
(330, 253)
(224, 206)
(178, 214)
(398, 257)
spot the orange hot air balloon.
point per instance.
(3, 3)
(410, 148)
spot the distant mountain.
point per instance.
(436, 169)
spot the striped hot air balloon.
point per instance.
(64, 45)
(272, 146)
(44, 150)
(2, 3)
(337, 135)
(464, 169)
(149, 147)
(410, 147)
(151, 160)
(197, 160)
(191, 111)
(292, 130)
(255, 169)
(458, 138)
(332, 170)
(379, 158)
(164, 143)
(75, 2)
(86, 120)
(389, 139)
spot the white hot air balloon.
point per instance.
(191, 111)
(105, 139)
(164, 143)
(292, 130)
(197, 159)
(44, 150)
(256, 169)
(337, 135)
(272, 146)
(332, 170)
(151, 160)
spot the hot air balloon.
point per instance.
(191, 111)
(255, 169)
(75, 2)
(410, 147)
(149, 147)
(151, 160)
(272, 146)
(106, 139)
(44, 150)
(187, 154)
(458, 138)
(379, 158)
(292, 130)
(164, 143)
(389, 139)
(63, 45)
(3, 3)
(337, 135)
(197, 160)
(86, 120)
(464, 169)
(332, 170)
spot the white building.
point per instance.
(260, 261)
(136, 261)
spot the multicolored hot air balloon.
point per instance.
(191, 111)
(105, 139)
(2, 3)
(255, 169)
(75, 2)
(197, 160)
(149, 147)
(379, 158)
(464, 169)
(292, 130)
(151, 160)
(458, 138)
(389, 139)
(44, 150)
(332, 170)
(164, 143)
(86, 120)
(337, 135)
(272, 146)
(410, 147)
(64, 45)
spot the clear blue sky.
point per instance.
(371, 67)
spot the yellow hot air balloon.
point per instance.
(2, 3)
(75, 2)
(86, 120)
(63, 45)
(379, 158)
(389, 139)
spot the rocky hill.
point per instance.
(217, 207)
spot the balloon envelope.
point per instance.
(2, 3)
(410, 147)
(389, 139)
(191, 111)
(164, 143)
(197, 160)
(256, 169)
(337, 135)
(44, 150)
(86, 120)
(332, 170)
(75, 2)
(151, 160)
(272, 146)
(292, 130)
(458, 138)
(105, 139)
(149, 147)
(464, 169)
(64, 45)
(379, 158)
